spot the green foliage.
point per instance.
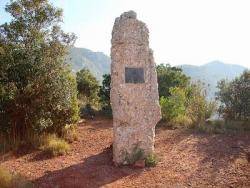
(151, 160)
(235, 97)
(53, 145)
(7, 180)
(182, 121)
(88, 87)
(186, 107)
(170, 77)
(105, 95)
(197, 107)
(174, 105)
(137, 154)
(37, 90)
(182, 104)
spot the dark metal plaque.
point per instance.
(134, 75)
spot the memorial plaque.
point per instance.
(134, 75)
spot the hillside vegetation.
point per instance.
(209, 74)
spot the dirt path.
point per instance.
(187, 159)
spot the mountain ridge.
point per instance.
(210, 73)
(97, 62)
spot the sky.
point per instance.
(181, 31)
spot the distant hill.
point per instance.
(97, 62)
(211, 73)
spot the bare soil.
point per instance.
(187, 159)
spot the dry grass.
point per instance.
(221, 126)
(69, 133)
(8, 180)
(5, 178)
(53, 145)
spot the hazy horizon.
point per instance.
(192, 32)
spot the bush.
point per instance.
(182, 121)
(88, 87)
(234, 97)
(37, 89)
(7, 180)
(151, 160)
(136, 155)
(54, 146)
(174, 105)
(170, 77)
(186, 107)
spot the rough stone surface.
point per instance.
(135, 106)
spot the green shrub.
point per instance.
(174, 105)
(170, 77)
(136, 155)
(186, 107)
(182, 121)
(104, 94)
(54, 146)
(88, 87)
(234, 97)
(151, 160)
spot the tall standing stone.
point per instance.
(134, 89)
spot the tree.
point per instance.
(37, 90)
(174, 105)
(105, 90)
(235, 97)
(170, 77)
(105, 94)
(88, 87)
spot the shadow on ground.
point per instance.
(204, 159)
(96, 171)
(98, 123)
(222, 158)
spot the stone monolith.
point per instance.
(134, 89)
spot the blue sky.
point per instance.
(181, 32)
